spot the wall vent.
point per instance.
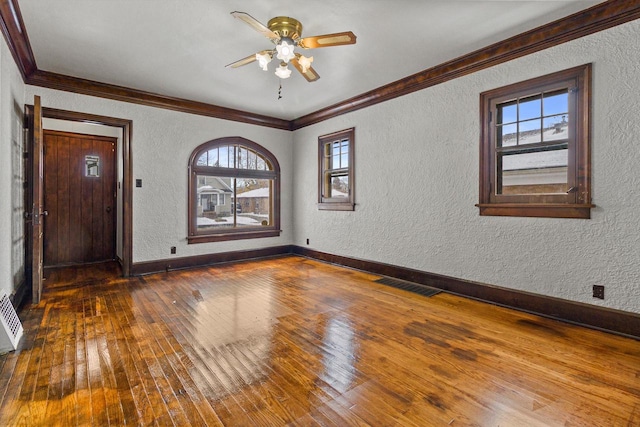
(417, 288)
(12, 328)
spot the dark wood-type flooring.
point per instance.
(291, 341)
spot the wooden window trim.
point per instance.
(577, 202)
(337, 203)
(200, 236)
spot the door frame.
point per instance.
(127, 168)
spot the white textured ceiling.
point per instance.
(179, 48)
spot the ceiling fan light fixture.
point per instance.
(285, 33)
(283, 71)
(263, 60)
(305, 63)
(285, 50)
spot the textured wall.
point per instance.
(162, 142)
(417, 183)
(11, 173)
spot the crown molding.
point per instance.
(597, 18)
(120, 93)
(15, 34)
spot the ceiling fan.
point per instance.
(286, 34)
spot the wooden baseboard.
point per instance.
(17, 298)
(591, 316)
(156, 266)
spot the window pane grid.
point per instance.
(535, 137)
(234, 157)
(234, 192)
(532, 119)
(336, 175)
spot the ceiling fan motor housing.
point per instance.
(286, 27)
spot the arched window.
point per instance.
(234, 191)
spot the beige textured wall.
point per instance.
(11, 173)
(417, 183)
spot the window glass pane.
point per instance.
(556, 128)
(202, 160)
(212, 205)
(556, 103)
(252, 161)
(539, 172)
(231, 155)
(254, 202)
(223, 159)
(216, 203)
(507, 113)
(339, 186)
(261, 164)
(212, 157)
(530, 108)
(507, 135)
(335, 160)
(344, 160)
(529, 132)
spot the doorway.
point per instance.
(124, 181)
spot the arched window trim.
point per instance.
(201, 236)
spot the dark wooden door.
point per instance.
(34, 198)
(80, 198)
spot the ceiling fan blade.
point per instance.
(256, 25)
(248, 60)
(336, 39)
(310, 74)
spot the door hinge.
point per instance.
(25, 154)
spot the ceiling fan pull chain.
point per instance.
(280, 91)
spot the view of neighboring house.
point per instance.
(536, 171)
(254, 201)
(214, 196)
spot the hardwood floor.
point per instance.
(291, 341)
(75, 275)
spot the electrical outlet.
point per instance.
(598, 291)
(307, 241)
(173, 249)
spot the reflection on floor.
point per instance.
(75, 275)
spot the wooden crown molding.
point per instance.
(597, 18)
(15, 34)
(135, 96)
(589, 21)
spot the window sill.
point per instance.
(546, 210)
(337, 206)
(254, 234)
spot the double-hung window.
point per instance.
(534, 147)
(335, 169)
(234, 191)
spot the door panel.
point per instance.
(36, 215)
(80, 227)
